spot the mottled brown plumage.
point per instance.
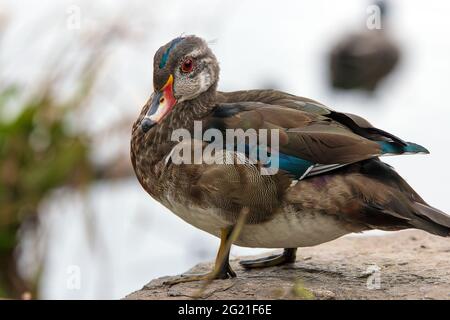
(331, 181)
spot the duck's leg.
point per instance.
(222, 268)
(288, 256)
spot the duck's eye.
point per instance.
(187, 65)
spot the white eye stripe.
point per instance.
(207, 60)
(196, 53)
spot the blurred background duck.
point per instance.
(361, 60)
(330, 180)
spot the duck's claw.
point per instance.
(225, 273)
(288, 256)
(188, 278)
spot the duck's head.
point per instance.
(183, 69)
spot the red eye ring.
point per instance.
(187, 65)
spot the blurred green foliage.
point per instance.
(37, 154)
(40, 150)
(300, 291)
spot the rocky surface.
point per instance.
(401, 265)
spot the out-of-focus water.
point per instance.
(120, 238)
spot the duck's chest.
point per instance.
(206, 219)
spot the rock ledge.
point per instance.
(403, 265)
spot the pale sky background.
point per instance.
(283, 43)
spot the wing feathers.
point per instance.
(309, 131)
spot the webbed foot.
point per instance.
(288, 256)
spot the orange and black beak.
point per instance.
(162, 103)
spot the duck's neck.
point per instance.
(148, 150)
(156, 143)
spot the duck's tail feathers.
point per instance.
(431, 219)
(392, 148)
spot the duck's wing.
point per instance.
(353, 122)
(309, 143)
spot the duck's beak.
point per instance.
(161, 104)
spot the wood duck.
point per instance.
(362, 59)
(330, 181)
